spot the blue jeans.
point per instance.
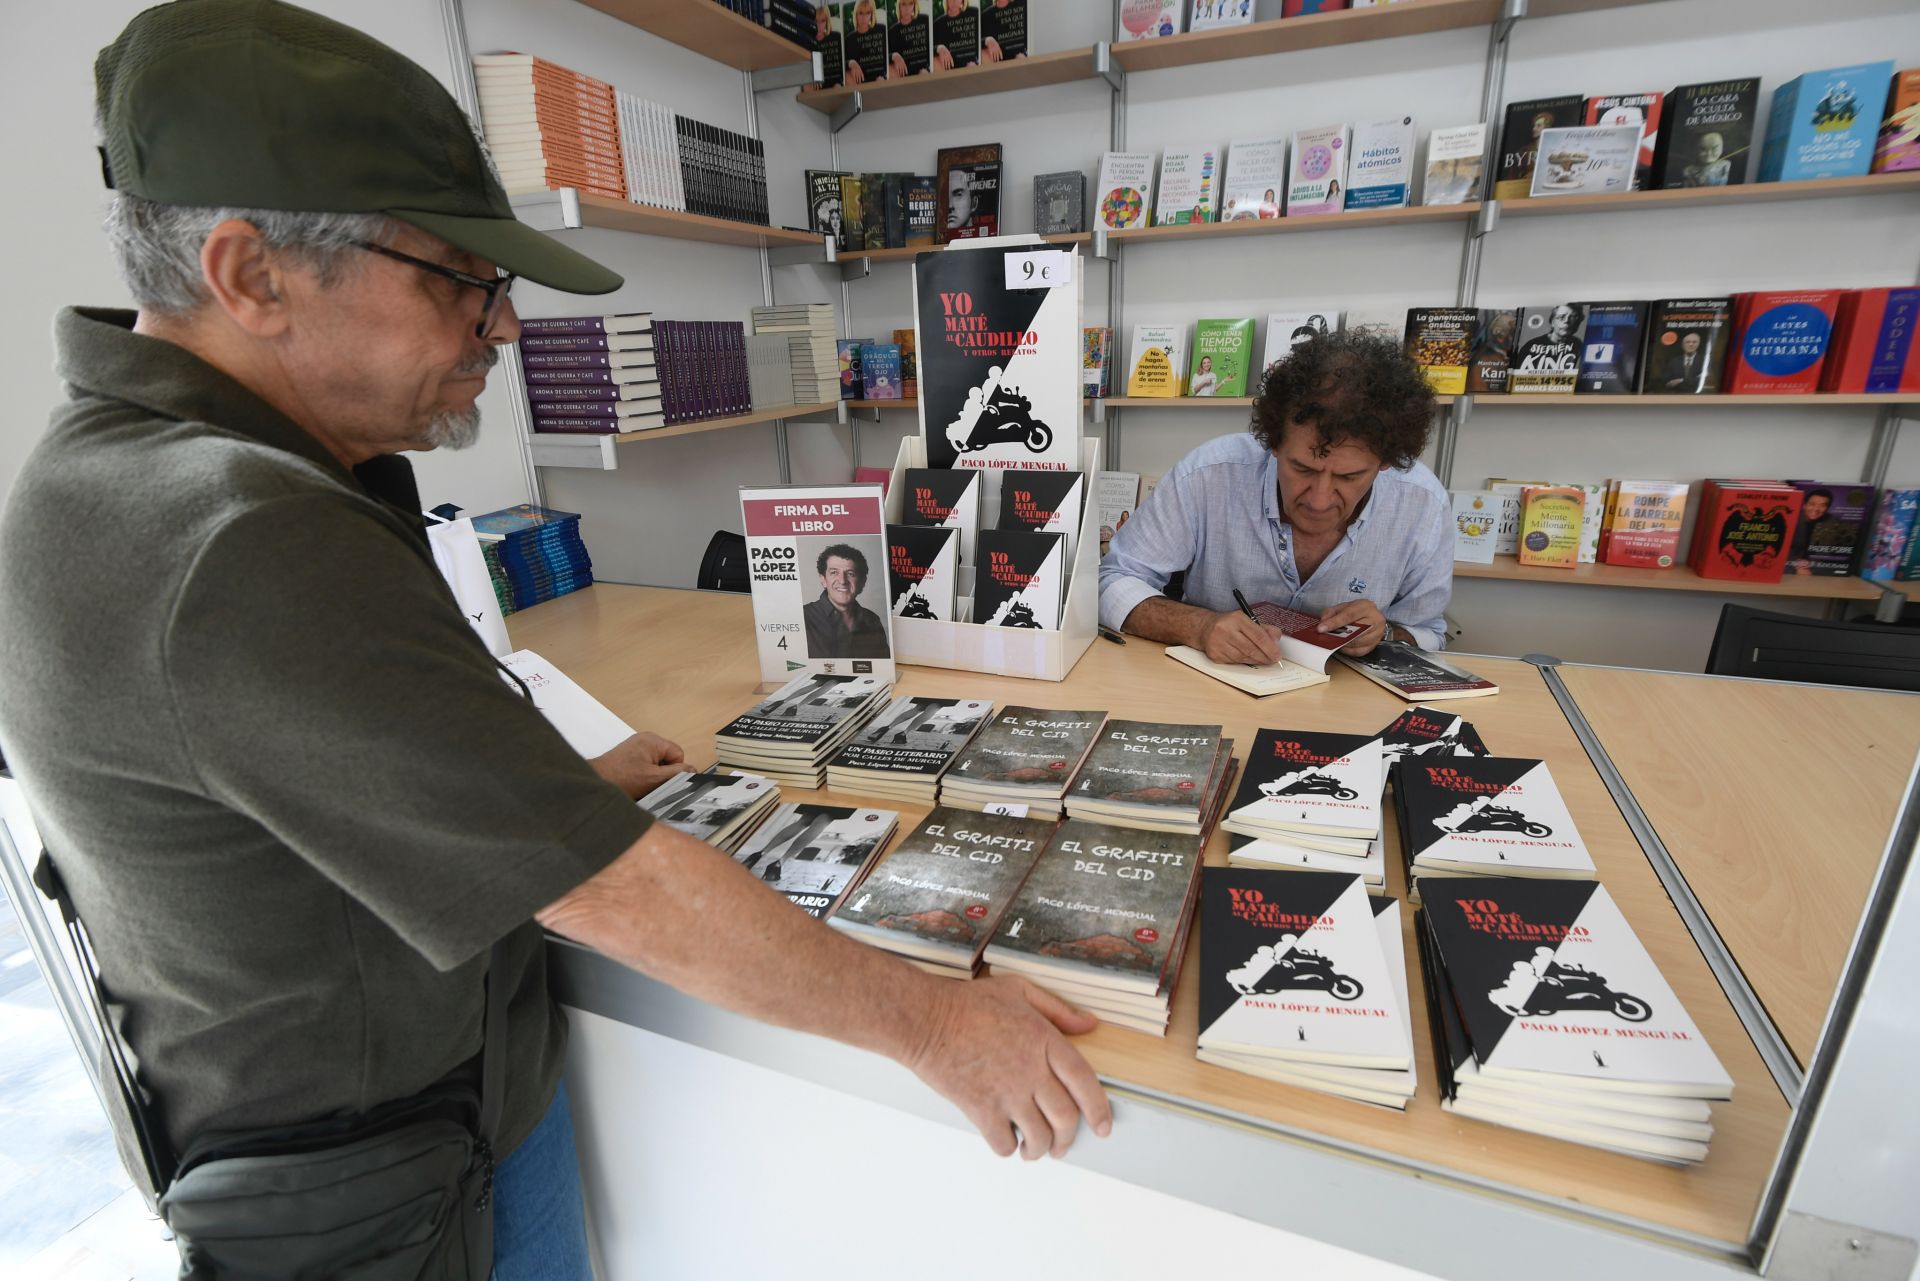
(539, 1216)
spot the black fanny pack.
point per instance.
(401, 1193)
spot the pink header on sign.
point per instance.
(775, 517)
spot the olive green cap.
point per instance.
(262, 105)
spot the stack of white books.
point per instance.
(1303, 980)
(1022, 762)
(1145, 774)
(810, 331)
(1485, 816)
(791, 736)
(1310, 800)
(903, 751)
(721, 809)
(1549, 1016)
(548, 127)
(814, 854)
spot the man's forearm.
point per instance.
(655, 908)
(1169, 621)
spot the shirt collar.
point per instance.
(96, 351)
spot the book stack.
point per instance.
(1303, 980)
(539, 551)
(1417, 675)
(791, 20)
(902, 752)
(1426, 731)
(497, 575)
(791, 735)
(723, 173)
(1310, 800)
(814, 853)
(592, 374)
(703, 370)
(809, 331)
(1549, 1016)
(721, 809)
(1024, 761)
(1475, 816)
(650, 152)
(1164, 778)
(548, 127)
(1102, 921)
(939, 895)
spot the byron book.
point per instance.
(1317, 172)
(1440, 341)
(1020, 580)
(1059, 203)
(1824, 123)
(1831, 530)
(1686, 345)
(1417, 675)
(1189, 186)
(817, 560)
(1123, 194)
(1049, 501)
(969, 185)
(1520, 140)
(1456, 165)
(1610, 348)
(1222, 350)
(1546, 356)
(1380, 172)
(813, 853)
(923, 564)
(1256, 179)
(1487, 815)
(1638, 109)
(1706, 134)
(1156, 365)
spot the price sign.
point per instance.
(1041, 269)
(1011, 811)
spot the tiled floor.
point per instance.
(67, 1210)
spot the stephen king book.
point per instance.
(1547, 357)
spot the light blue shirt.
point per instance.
(1217, 516)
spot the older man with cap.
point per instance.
(292, 799)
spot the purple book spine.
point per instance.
(578, 409)
(543, 343)
(565, 325)
(663, 361)
(742, 384)
(552, 360)
(568, 395)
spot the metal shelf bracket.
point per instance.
(846, 113)
(813, 71)
(1099, 410)
(1103, 245)
(854, 268)
(802, 255)
(549, 210)
(1487, 219)
(1107, 69)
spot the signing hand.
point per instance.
(1367, 615)
(995, 1048)
(1232, 637)
(641, 763)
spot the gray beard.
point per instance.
(455, 429)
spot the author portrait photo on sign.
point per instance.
(841, 622)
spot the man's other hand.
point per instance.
(998, 1048)
(1361, 612)
(641, 763)
(1232, 637)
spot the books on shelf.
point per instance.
(1102, 920)
(968, 184)
(1115, 495)
(548, 126)
(1546, 358)
(864, 37)
(573, 389)
(923, 566)
(1380, 173)
(1157, 364)
(1643, 523)
(1744, 530)
(880, 371)
(813, 853)
(1316, 789)
(1610, 345)
(539, 552)
(1779, 342)
(1021, 579)
(1256, 179)
(938, 896)
(1417, 675)
(1892, 552)
(1875, 346)
(1147, 774)
(1582, 160)
(1456, 165)
(1520, 134)
(1025, 758)
(1550, 1016)
(1550, 519)
(1043, 501)
(720, 809)
(956, 35)
(1189, 186)
(947, 497)
(909, 39)
(1096, 362)
(902, 752)
(909, 364)
(1060, 203)
(1638, 109)
(1476, 523)
(811, 358)
(1317, 173)
(769, 371)
(1123, 193)
(1003, 30)
(1440, 342)
(1222, 351)
(1897, 149)
(1150, 19)
(703, 369)
(1303, 981)
(790, 735)
(1485, 816)
(1210, 15)
(1831, 529)
(1308, 8)
(1706, 134)
(1288, 329)
(1824, 124)
(1686, 345)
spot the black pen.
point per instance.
(1245, 608)
(1107, 633)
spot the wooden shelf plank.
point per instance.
(1319, 31)
(824, 409)
(1756, 193)
(1200, 402)
(1677, 579)
(1801, 400)
(904, 402)
(645, 220)
(1242, 227)
(710, 29)
(1064, 67)
(911, 252)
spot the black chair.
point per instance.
(1786, 647)
(723, 568)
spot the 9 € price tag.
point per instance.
(1041, 269)
(1007, 808)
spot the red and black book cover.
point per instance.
(1780, 341)
(920, 566)
(1520, 140)
(1020, 579)
(1043, 500)
(1745, 531)
(1641, 109)
(1422, 731)
(1264, 937)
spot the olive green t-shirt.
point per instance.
(292, 797)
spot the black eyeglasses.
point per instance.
(495, 289)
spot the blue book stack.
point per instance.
(538, 551)
(1824, 123)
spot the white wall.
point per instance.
(648, 521)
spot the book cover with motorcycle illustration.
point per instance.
(1101, 908)
(1291, 967)
(1145, 766)
(1028, 749)
(1309, 782)
(1552, 984)
(812, 853)
(1050, 501)
(999, 367)
(943, 496)
(1424, 731)
(1491, 815)
(1021, 579)
(923, 565)
(817, 564)
(912, 740)
(941, 892)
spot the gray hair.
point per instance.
(158, 246)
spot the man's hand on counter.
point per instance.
(998, 1049)
(641, 763)
(1362, 613)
